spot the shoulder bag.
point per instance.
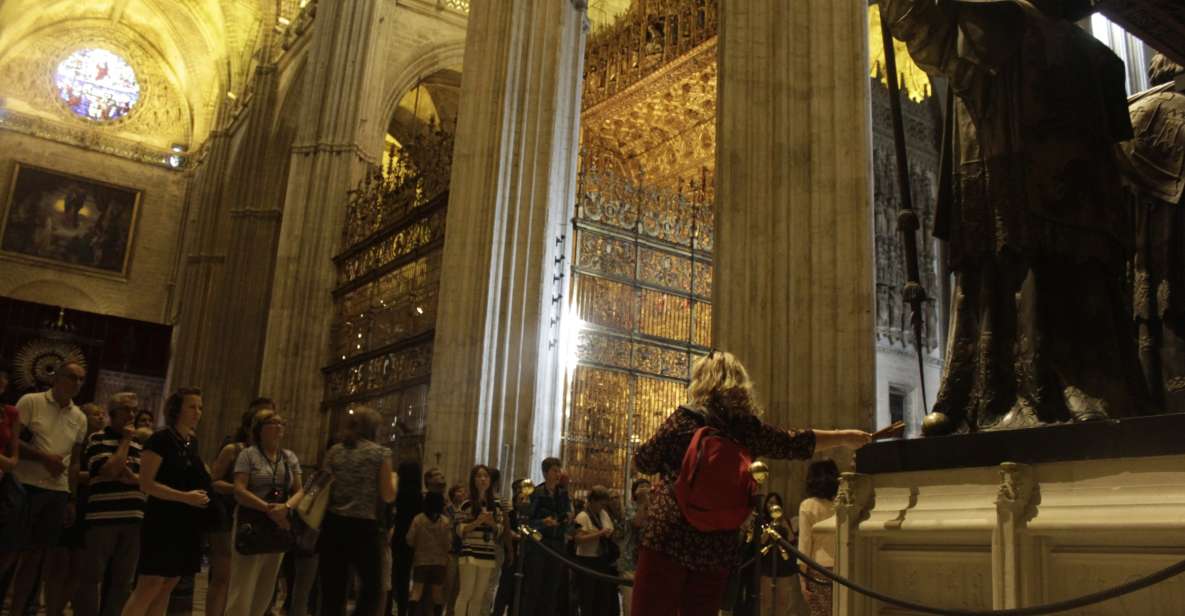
(255, 532)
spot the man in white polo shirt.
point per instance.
(48, 468)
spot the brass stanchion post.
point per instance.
(760, 472)
(525, 491)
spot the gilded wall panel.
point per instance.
(665, 269)
(604, 254)
(607, 303)
(604, 349)
(661, 361)
(597, 426)
(664, 315)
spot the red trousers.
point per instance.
(663, 587)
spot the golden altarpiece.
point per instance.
(645, 220)
(641, 276)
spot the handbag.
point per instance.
(312, 506)
(15, 519)
(255, 532)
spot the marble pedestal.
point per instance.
(1014, 519)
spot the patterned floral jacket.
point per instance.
(668, 532)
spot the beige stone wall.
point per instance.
(145, 294)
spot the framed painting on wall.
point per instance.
(62, 219)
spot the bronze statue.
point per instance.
(1041, 327)
(1154, 168)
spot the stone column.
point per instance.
(328, 158)
(1009, 541)
(496, 379)
(793, 289)
(852, 556)
(195, 337)
(239, 309)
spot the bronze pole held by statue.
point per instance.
(907, 219)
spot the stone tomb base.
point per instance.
(1014, 519)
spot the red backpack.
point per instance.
(715, 488)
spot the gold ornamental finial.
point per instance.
(760, 471)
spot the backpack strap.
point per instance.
(696, 446)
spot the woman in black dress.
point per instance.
(409, 502)
(177, 483)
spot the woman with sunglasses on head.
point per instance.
(175, 479)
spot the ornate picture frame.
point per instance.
(64, 220)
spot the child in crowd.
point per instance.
(430, 538)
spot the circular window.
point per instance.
(97, 84)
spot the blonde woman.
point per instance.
(682, 570)
(267, 479)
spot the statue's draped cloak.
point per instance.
(1153, 163)
(1038, 234)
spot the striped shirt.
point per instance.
(112, 500)
(481, 541)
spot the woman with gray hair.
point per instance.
(350, 533)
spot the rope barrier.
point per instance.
(579, 567)
(1036, 610)
(620, 581)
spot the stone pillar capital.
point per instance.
(854, 499)
(1015, 506)
(1016, 489)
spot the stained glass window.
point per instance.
(97, 84)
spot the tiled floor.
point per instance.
(199, 600)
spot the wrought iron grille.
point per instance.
(388, 282)
(648, 36)
(641, 302)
